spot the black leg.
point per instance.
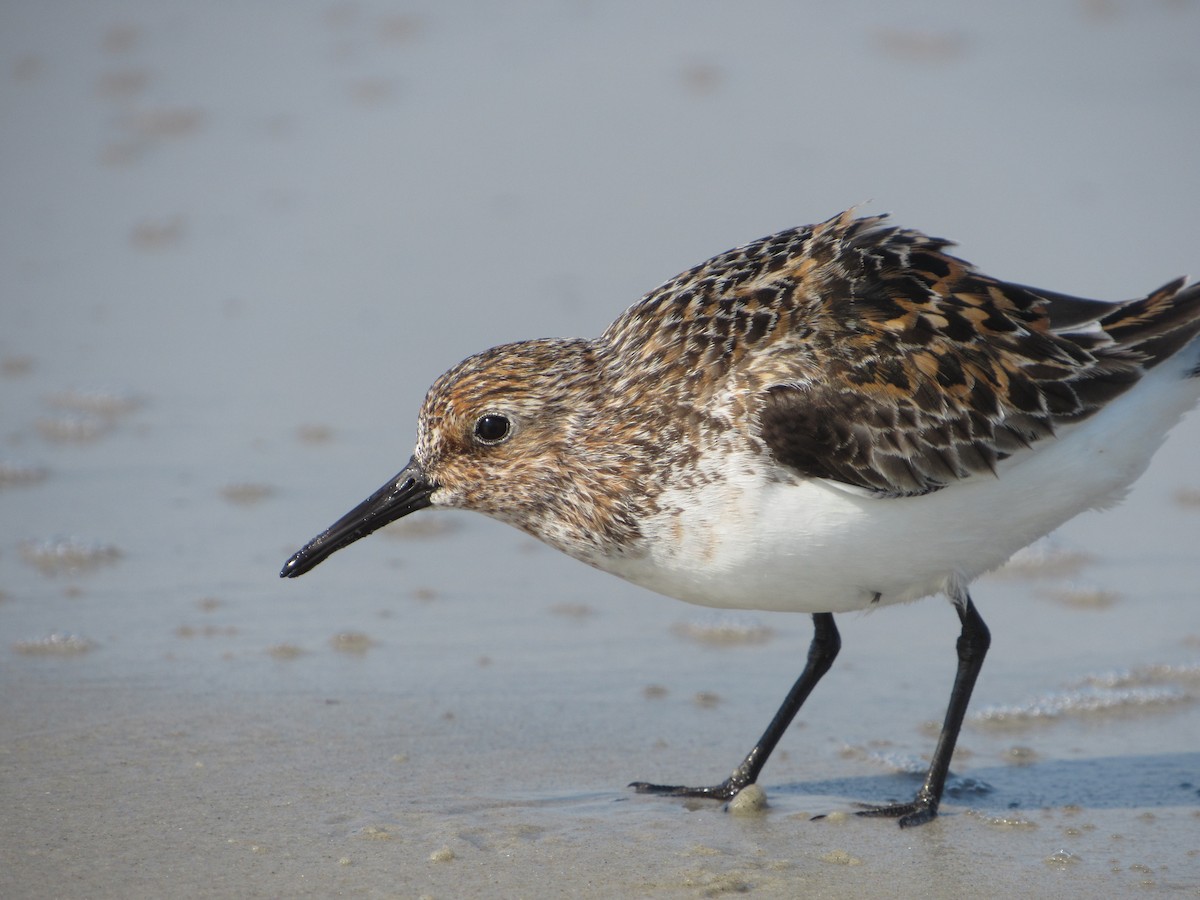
(821, 653)
(972, 648)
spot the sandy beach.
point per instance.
(237, 243)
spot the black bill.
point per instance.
(404, 494)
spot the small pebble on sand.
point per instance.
(749, 801)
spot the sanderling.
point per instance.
(828, 419)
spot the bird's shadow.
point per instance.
(1106, 782)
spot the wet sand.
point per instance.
(237, 245)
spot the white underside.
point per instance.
(749, 542)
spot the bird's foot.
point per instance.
(726, 790)
(918, 812)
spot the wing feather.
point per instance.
(876, 359)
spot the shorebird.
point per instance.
(832, 418)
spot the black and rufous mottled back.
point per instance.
(869, 356)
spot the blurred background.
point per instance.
(237, 243)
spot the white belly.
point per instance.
(750, 542)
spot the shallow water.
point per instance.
(235, 247)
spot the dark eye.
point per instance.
(492, 428)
